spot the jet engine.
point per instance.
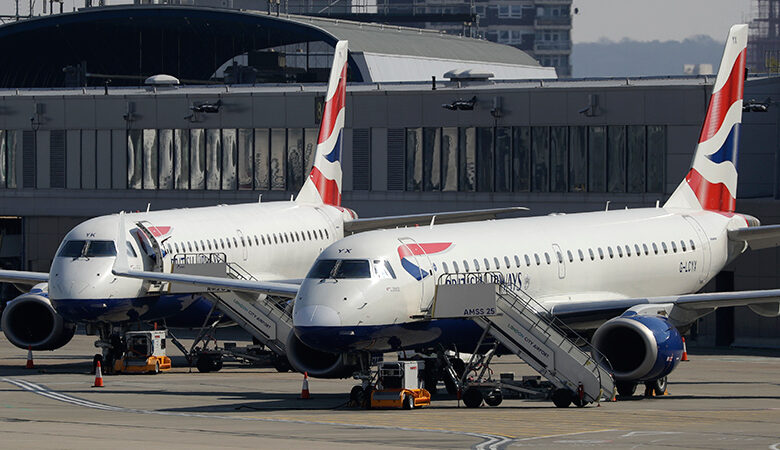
(639, 348)
(317, 363)
(30, 320)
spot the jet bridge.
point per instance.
(266, 318)
(515, 320)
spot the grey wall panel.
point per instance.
(54, 115)
(367, 110)
(103, 159)
(119, 159)
(404, 110)
(145, 111)
(73, 159)
(110, 112)
(269, 111)
(515, 108)
(549, 108)
(18, 112)
(299, 110)
(677, 105)
(346, 160)
(43, 141)
(680, 144)
(379, 159)
(88, 147)
(80, 113)
(433, 115)
(171, 112)
(236, 111)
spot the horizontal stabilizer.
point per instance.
(766, 236)
(276, 288)
(375, 223)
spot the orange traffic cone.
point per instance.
(685, 352)
(98, 376)
(30, 364)
(305, 388)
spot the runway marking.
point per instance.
(565, 434)
(775, 446)
(490, 441)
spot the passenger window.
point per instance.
(487, 264)
(235, 242)
(286, 238)
(476, 264)
(682, 246)
(571, 257)
(592, 256)
(628, 250)
(303, 236)
(609, 250)
(517, 261)
(498, 265)
(620, 251)
(455, 265)
(228, 242)
(674, 247)
(547, 257)
(465, 265)
(189, 246)
(326, 234)
(222, 243)
(309, 234)
(636, 249)
(644, 247)
(262, 239)
(176, 246)
(536, 258)
(666, 250)
(243, 241)
(527, 261)
(601, 253)
(208, 242)
(276, 241)
(202, 245)
(296, 237)
(444, 265)
(693, 246)
(196, 246)
(579, 253)
(655, 248)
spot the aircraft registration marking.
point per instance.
(688, 266)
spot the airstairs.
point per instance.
(266, 318)
(515, 320)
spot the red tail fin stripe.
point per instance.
(328, 189)
(714, 197)
(721, 101)
(333, 107)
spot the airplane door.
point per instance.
(417, 263)
(704, 245)
(558, 255)
(244, 251)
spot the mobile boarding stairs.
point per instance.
(516, 321)
(266, 318)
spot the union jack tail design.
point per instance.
(324, 182)
(712, 181)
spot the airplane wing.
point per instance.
(681, 309)
(287, 288)
(21, 277)
(373, 223)
(765, 236)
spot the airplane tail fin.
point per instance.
(711, 182)
(324, 182)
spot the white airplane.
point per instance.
(102, 272)
(629, 276)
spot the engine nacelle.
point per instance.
(639, 348)
(30, 320)
(317, 363)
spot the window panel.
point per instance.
(197, 159)
(521, 159)
(467, 154)
(414, 159)
(229, 159)
(578, 159)
(150, 159)
(245, 166)
(3, 161)
(213, 158)
(262, 159)
(558, 144)
(449, 159)
(432, 159)
(294, 159)
(656, 152)
(503, 169)
(485, 159)
(278, 160)
(12, 145)
(616, 159)
(134, 159)
(597, 159)
(181, 159)
(310, 136)
(166, 159)
(637, 144)
(540, 159)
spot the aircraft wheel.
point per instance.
(658, 386)
(625, 388)
(280, 363)
(408, 402)
(472, 398)
(562, 398)
(205, 363)
(357, 395)
(494, 397)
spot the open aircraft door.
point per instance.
(416, 262)
(148, 238)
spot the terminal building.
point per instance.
(467, 141)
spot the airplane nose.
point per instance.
(316, 316)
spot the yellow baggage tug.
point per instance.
(144, 352)
(398, 386)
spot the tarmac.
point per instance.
(721, 399)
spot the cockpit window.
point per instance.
(381, 268)
(352, 268)
(87, 249)
(322, 268)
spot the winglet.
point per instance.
(324, 182)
